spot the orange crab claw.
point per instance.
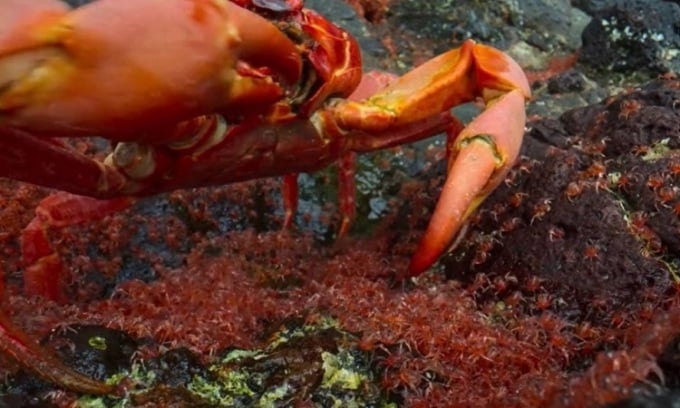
(479, 156)
(147, 60)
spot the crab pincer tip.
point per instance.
(465, 188)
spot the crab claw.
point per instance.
(418, 103)
(479, 160)
(481, 155)
(121, 68)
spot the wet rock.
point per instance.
(538, 28)
(592, 6)
(176, 368)
(551, 25)
(94, 350)
(446, 21)
(562, 92)
(634, 36)
(569, 81)
(669, 362)
(346, 17)
(17, 401)
(658, 399)
(632, 122)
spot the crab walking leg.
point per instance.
(290, 193)
(347, 191)
(43, 363)
(371, 83)
(481, 156)
(44, 271)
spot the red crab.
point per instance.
(203, 92)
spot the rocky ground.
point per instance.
(563, 294)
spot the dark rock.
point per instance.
(596, 193)
(642, 118)
(176, 368)
(551, 25)
(669, 362)
(658, 399)
(346, 17)
(532, 31)
(592, 6)
(94, 350)
(445, 22)
(634, 36)
(568, 81)
(23, 401)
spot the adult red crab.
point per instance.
(203, 92)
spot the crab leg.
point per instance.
(346, 194)
(371, 83)
(418, 103)
(44, 272)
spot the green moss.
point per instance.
(223, 392)
(236, 355)
(657, 151)
(275, 395)
(302, 362)
(337, 374)
(97, 342)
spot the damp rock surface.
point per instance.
(634, 35)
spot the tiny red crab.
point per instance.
(204, 92)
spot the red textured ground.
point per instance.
(438, 344)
